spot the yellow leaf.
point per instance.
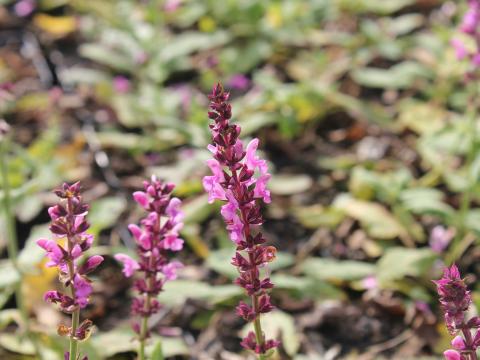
(207, 24)
(274, 16)
(35, 285)
(55, 25)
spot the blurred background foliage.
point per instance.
(362, 112)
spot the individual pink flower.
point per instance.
(170, 270)
(461, 51)
(239, 82)
(440, 237)
(129, 265)
(452, 355)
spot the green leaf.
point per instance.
(307, 287)
(313, 217)
(178, 291)
(398, 262)
(105, 212)
(170, 347)
(32, 254)
(197, 210)
(289, 184)
(16, 344)
(330, 269)
(220, 262)
(9, 276)
(279, 324)
(377, 220)
(104, 55)
(399, 76)
(157, 353)
(423, 201)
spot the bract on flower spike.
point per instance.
(239, 178)
(69, 226)
(455, 300)
(156, 238)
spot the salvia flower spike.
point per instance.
(455, 300)
(69, 227)
(239, 178)
(157, 236)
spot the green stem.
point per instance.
(73, 340)
(12, 246)
(75, 317)
(143, 334)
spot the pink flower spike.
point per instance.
(129, 265)
(141, 198)
(452, 355)
(239, 178)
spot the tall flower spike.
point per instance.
(157, 236)
(69, 226)
(239, 178)
(455, 300)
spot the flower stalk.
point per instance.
(239, 179)
(156, 238)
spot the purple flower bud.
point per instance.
(142, 199)
(90, 265)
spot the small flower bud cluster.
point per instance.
(455, 300)
(157, 236)
(69, 224)
(233, 181)
(470, 26)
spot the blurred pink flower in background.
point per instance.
(440, 237)
(239, 82)
(172, 5)
(24, 8)
(121, 84)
